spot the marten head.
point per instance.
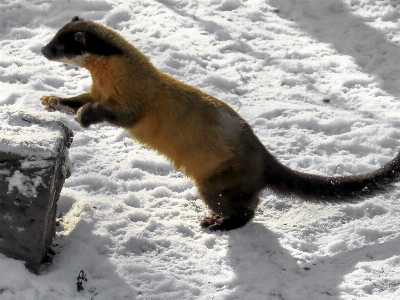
(77, 39)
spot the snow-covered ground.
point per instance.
(318, 80)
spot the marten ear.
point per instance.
(76, 18)
(80, 38)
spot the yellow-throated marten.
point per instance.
(198, 133)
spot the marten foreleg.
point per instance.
(66, 105)
(107, 111)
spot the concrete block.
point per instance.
(33, 167)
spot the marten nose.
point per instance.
(48, 52)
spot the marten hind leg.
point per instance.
(232, 208)
(232, 193)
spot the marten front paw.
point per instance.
(53, 103)
(89, 114)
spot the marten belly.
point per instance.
(197, 153)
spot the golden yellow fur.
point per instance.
(171, 124)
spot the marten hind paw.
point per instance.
(215, 222)
(212, 222)
(53, 103)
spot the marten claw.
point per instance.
(212, 222)
(52, 103)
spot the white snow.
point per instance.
(21, 131)
(318, 80)
(24, 184)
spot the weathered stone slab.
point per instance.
(33, 168)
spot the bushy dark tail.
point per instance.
(286, 181)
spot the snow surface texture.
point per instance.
(318, 80)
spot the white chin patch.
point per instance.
(76, 61)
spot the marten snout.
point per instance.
(46, 52)
(56, 50)
(53, 51)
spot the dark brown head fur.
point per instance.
(76, 38)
